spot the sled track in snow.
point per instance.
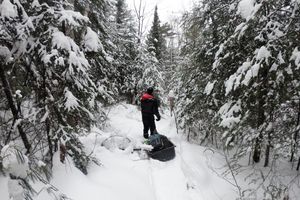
(189, 173)
(151, 179)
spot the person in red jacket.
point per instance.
(149, 108)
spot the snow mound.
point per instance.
(8, 10)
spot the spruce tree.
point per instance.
(239, 87)
(205, 27)
(52, 87)
(15, 28)
(241, 68)
(104, 72)
(47, 81)
(155, 40)
(125, 39)
(255, 82)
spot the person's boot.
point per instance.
(146, 136)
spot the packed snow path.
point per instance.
(124, 176)
(187, 177)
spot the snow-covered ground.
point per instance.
(123, 175)
(128, 177)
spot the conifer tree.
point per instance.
(127, 49)
(238, 88)
(47, 81)
(204, 30)
(103, 71)
(255, 83)
(155, 40)
(15, 27)
(241, 67)
(47, 76)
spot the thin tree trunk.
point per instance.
(260, 99)
(205, 137)
(257, 150)
(13, 108)
(48, 131)
(212, 138)
(176, 123)
(267, 155)
(140, 14)
(298, 166)
(43, 95)
(258, 140)
(295, 136)
(269, 145)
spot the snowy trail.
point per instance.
(187, 177)
(123, 176)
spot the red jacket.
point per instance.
(146, 96)
(149, 104)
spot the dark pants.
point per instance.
(149, 123)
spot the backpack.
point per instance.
(163, 148)
(159, 142)
(155, 141)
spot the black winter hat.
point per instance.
(150, 90)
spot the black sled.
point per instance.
(163, 148)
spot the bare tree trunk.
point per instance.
(295, 136)
(298, 165)
(50, 145)
(269, 145)
(13, 108)
(258, 140)
(260, 99)
(212, 138)
(267, 155)
(140, 14)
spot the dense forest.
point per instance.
(235, 74)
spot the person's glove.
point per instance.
(158, 117)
